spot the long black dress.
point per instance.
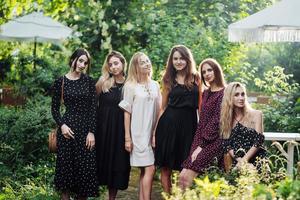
(176, 127)
(241, 140)
(75, 170)
(112, 158)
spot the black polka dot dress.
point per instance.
(241, 140)
(75, 165)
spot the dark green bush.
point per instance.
(24, 132)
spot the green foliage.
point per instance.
(282, 113)
(276, 82)
(248, 185)
(154, 28)
(289, 189)
(30, 182)
(24, 133)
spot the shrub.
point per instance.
(24, 133)
(248, 185)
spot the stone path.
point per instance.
(132, 192)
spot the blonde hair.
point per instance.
(227, 107)
(133, 71)
(107, 81)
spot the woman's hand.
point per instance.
(240, 162)
(90, 141)
(195, 153)
(128, 144)
(66, 131)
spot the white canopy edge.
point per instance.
(264, 34)
(30, 39)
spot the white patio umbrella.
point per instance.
(277, 23)
(34, 27)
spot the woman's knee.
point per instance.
(166, 171)
(150, 170)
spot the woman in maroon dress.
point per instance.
(207, 143)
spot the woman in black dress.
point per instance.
(75, 172)
(112, 158)
(241, 127)
(178, 122)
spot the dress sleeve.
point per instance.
(226, 144)
(128, 97)
(93, 106)
(258, 140)
(56, 101)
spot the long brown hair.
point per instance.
(218, 72)
(169, 78)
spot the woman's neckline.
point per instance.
(73, 79)
(144, 83)
(216, 90)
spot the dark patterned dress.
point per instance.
(242, 139)
(176, 127)
(207, 134)
(75, 170)
(112, 158)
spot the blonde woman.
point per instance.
(241, 126)
(112, 159)
(141, 105)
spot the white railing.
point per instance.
(291, 139)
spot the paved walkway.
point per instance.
(132, 192)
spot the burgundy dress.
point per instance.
(207, 134)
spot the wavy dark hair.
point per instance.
(190, 71)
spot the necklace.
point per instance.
(147, 89)
(240, 118)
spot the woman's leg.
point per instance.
(142, 174)
(146, 182)
(112, 192)
(186, 178)
(166, 179)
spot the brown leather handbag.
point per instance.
(52, 141)
(52, 137)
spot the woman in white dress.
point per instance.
(141, 105)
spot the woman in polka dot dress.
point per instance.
(207, 143)
(241, 127)
(75, 172)
(112, 158)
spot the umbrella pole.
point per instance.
(34, 53)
